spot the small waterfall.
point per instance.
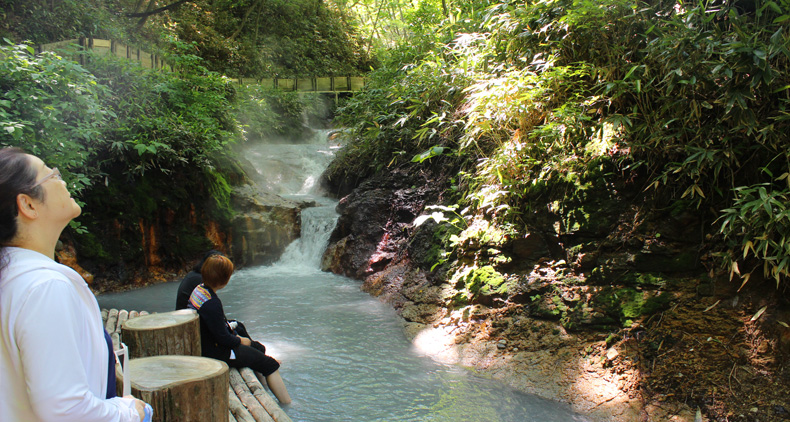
(317, 225)
(292, 171)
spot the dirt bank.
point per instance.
(642, 374)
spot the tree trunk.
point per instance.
(256, 5)
(180, 388)
(167, 333)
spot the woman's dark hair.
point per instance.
(216, 271)
(208, 254)
(16, 176)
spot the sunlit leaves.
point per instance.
(758, 224)
(555, 95)
(428, 154)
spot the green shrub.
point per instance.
(52, 108)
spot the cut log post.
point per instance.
(166, 333)
(250, 402)
(266, 400)
(112, 320)
(237, 409)
(180, 388)
(123, 316)
(133, 314)
(116, 341)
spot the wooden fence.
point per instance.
(99, 46)
(325, 85)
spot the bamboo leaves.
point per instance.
(759, 225)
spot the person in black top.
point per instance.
(219, 340)
(190, 281)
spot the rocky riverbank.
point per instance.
(262, 226)
(613, 306)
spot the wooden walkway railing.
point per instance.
(325, 85)
(147, 60)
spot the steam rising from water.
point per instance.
(290, 169)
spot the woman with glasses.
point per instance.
(56, 360)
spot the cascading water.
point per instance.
(343, 353)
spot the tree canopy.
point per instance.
(238, 38)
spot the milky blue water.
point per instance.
(343, 353)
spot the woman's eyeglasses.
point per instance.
(54, 174)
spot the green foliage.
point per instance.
(249, 38)
(399, 115)
(157, 140)
(550, 102)
(758, 227)
(271, 38)
(52, 108)
(220, 190)
(45, 21)
(165, 121)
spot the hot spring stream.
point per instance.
(344, 355)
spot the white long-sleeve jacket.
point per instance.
(53, 353)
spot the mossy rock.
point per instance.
(483, 281)
(627, 303)
(545, 307)
(645, 280)
(583, 315)
(605, 275)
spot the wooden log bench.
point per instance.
(166, 333)
(181, 388)
(113, 319)
(248, 400)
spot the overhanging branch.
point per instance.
(155, 11)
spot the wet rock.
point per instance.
(264, 225)
(423, 313)
(331, 259)
(375, 220)
(388, 284)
